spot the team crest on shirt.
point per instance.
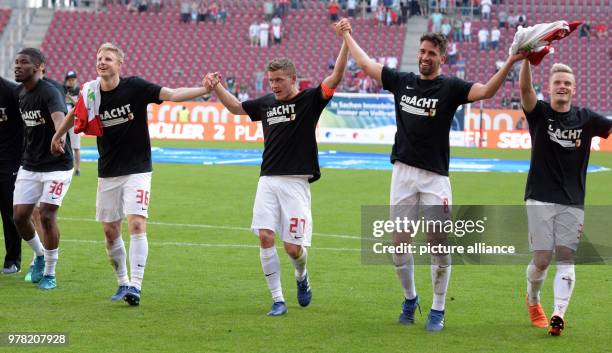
(419, 106)
(280, 114)
(117, 116)
(566, 138)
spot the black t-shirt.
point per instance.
(290, 145)
(561, 145)
(125, 145)
(55, 84)
(424, 111)
(11, 128)
(36, 107)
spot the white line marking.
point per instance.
(211, 226)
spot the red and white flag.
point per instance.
(87, 110)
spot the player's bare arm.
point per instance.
(370, 67)
(182, 94)
(58, 140)
(528, 94)
(332, 81)
(227, 99)
(481, 91)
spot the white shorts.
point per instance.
(123, 195)
(47, 187)
(551, 225)
(75, 139)
(282, 204)
(415, 190)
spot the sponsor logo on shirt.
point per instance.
(566, 138)
(116, 116)
(3, 116)
(281, 114)
(419, 106)
(32, 117)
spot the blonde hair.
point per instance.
(111, 47)
(559, 67)
(283, 64)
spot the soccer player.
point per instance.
(43, 178)
(561, 136)
(124, 166)
(11, 146)
(290, 162)
(424, 105)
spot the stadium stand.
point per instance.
(160, 48)
(5, 15)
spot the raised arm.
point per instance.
(528, 94)
(182, 94)
(371, 68)
(229, 100)
(485, 91)
(332, 81)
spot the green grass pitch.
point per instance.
(204, 290)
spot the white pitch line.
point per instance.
(230, 161)
(205, 245)
(211, 226)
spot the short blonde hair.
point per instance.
(111, 47)
(559, 67)
(283, 64)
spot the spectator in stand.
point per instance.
(222, 14)
(276, 30)
(381, 15)
(485, 9)
(143, 6)
(522, 20)
(457, 28)
(202, 12)
(213, 12)
(502, 18)
(436, 21)
(505, 102)
(131, 6)
(331, 63)
(483, 39)
(157, 5)
(264, 34)
(268, 9)
(391, 62)
(193, 11)
(515, 102)
(513, 19)
(446, 29)
(424, 7)
(585, 30)
(443, 6)
(259, 77)
(333, 8)
(373, 6)
(351, 6)
(495, 35)
(254, 34)
(284, 7)
(601, 31)
(230, 84)
(243, 94)
(185, 11)
(452, 52)
(467, 30)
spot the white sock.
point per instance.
(565, 278)
(139, 249)
(33, 258)
(404, 268)
(270, 263)
(51, 257)
(300, 264)
(117, 255)
(440, 275)
(36, 245)
(535, 280)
